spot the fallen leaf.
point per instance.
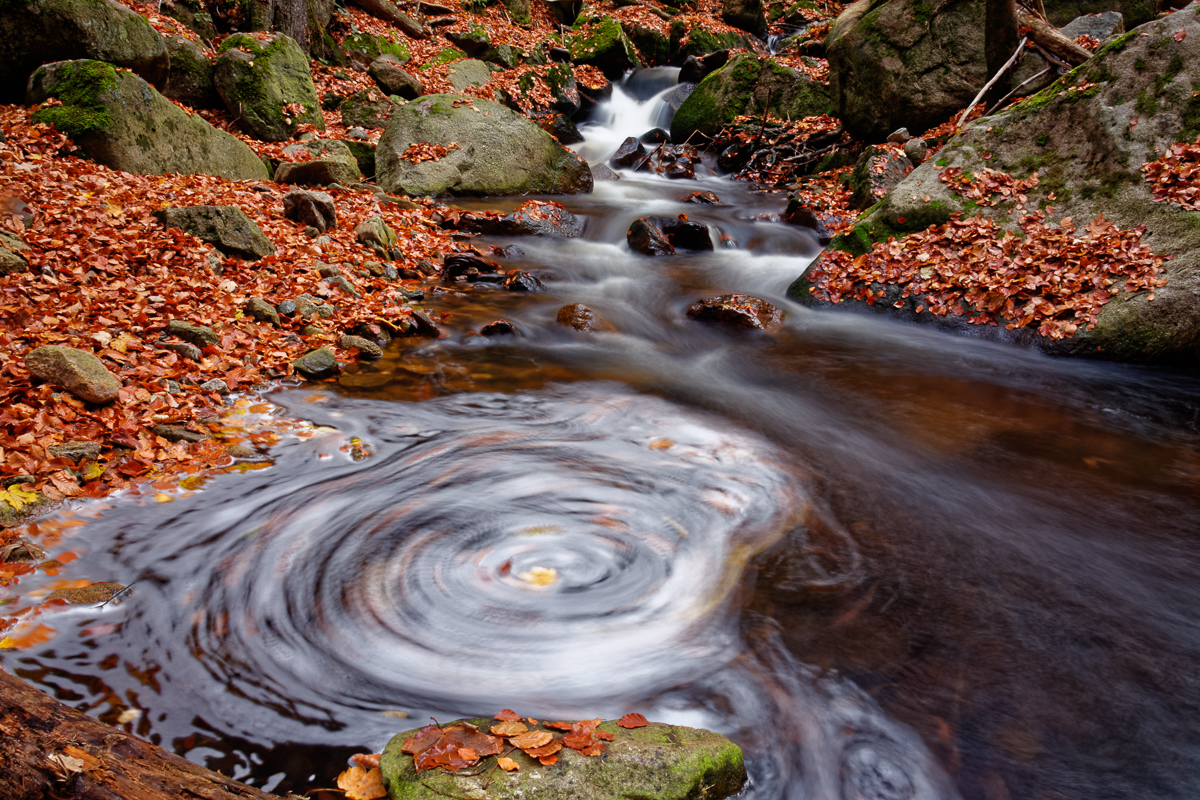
(366, 760)
(507, 764)
(507, 715)
(362, 784)
(632, 720)
(508, 728)
(532, 739)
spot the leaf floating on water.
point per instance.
(507, 764)
(362, 784)
(507, 715)
(540, 576)
(662, 444)
(632, 720)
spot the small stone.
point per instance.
(601, 172)
(312, 231)
(395, 254)
(630, 153)
(189, 351)
(178, 433)
(314, 209)
(366, 349)
(78, 371)
(899, 136)
(328, 270)
(373, 268)
(358, 133)
(215, 385)
(390, 273)
(262, 311)
(522, 281)
(582, 318)
(500, 327)
(373, 232)
(287, 308)
(199, 335)
(346, 286)
(704, 198)
(311, 330)
(916, 149)
(76, 451)
(737, 309)
(317, 364)
(173, 387)
(243, 452)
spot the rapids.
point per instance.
(888, 562)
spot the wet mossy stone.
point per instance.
(600, 42)
(366, 47)
(317, 364)
(36, 32)
(652, 46)
(190, 80)
(468, 74)
(121, 121)
(657, 762)
(225, 227)
(1052, 133)
(258, 78)
(744, 86)
(698, 41)
(502, 153)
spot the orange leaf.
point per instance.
(632, 720)
(508, 729)
(508, 715)
(532, 739)
(548, 760)
(545, 750)
(507, 764)
(594, 749)
(604, 736)
(362, 784)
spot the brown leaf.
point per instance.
(362, 784)
(507, 764)
(508, 715)
(508, 728)
(532, 739)
(632, 720)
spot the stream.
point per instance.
(890, 563)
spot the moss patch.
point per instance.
(78, 87)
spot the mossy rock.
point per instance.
(657, 762)
(502, 153)
(121, 121)
(258, 78)
(36, 32)
(366, 47)
(653, 47)
(600, 42)
(367, 109)
(190, 80)
(743, 86)
(699, 41)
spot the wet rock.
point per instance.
(199, 335)
(802, 216)
(76, 450)
(374, 233)
(307, 207)
(697, 68)
(188, 351)
(366, 349)
(178, 433)
(655, 136)
(372, 332)
(686, 235)
(531, 218)
(90, 595)
(423, 325)
(647, 238)
(631, 152)
(681, 169)
(916, 150)
(560, 127)
(244, 453)
(226, 227)
(286, 308)
(601, 172)
(703, 198)
(500, 327)
(522, 281)
(657, 762)
(262, 311)
(876, 173)
(394, 79)
(582, 318)
(215, 385)
(317, 364)
(507, 251)
(457, 264)
(77, 371)
(737, 309)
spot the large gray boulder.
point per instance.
(323, 161)
(226, 227)
(77, 371)
(502, 153)
(36, 32)
(122, 122)
(902, 63)
(656, 762)
(1135, 98)
(744, 86)
(267, 85)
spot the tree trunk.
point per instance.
(387, 11)
(48, 750)
(1049, 39)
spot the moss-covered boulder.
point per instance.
(1087, 137)
(599, 41)
(363, 48)
(267, 86)
(696, 40)
(744, 86)
(121, 121)
(190, 79)
(502, 153)
(654, 47)
(367, 109)
(746, 15)
(904, 63)
(657, 762)
(36, 32)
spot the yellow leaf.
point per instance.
(540, 576)
(17, 497)
(362, 784)
(507, 764)
(163, 497)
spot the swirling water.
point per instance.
(890, 563)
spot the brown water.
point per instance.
(889, 562)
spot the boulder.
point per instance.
(310, 208)
(11, 260)
(745, 15)
(647, 238)
(657, 762)
(739, 310)
(744, 86)
(875, 174)
(367, 109)
(531, 218)
(36, 32)
(226, 227)
(121, 121)
(324, 161)
(653, 47)
(394, 79)
(367, 349)
(697, 68)
(267, 86)
(77, 371)
(684, 234)
(468, 74)
(1088, 137)
(364, 48)
(582, 318)
(502, 153)
(374, 233)
(178, 433)
(317, 364)
(894, 64)
(599, 41)
(190, 78)
(693, 38)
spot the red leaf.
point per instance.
(632, 720)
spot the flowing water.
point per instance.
(888, 562)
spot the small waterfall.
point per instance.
(638, 104)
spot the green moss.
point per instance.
(1140, 64)
(941, 162)
(369, 47)
(874, 227)
(1041, 140)
(78, 87)
(444, 56)
(1190, 115)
